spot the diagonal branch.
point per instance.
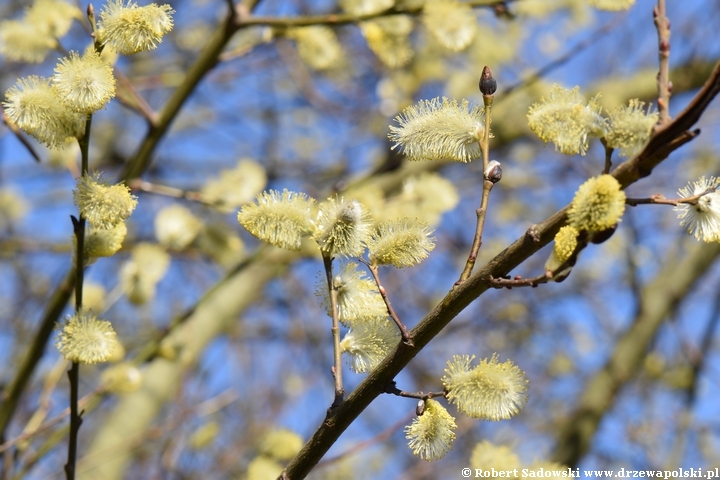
(660, 146)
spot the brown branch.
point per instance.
(660, 146)
(19, 135)
(392, 389)
(359, 447)
(487, 87)
(662, 24)
(128, 96)
(337, 351)
(567, 56)
(608, 156)
(333, 19)
(659, 199)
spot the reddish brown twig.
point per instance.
(662, 24)
(659, 199)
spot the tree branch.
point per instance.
(660, 146)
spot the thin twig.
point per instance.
(359, 447)
(343, 18)
(392, 389)
(608, 156)
(659, 199)
(337, 353)
(518, 281)
(74, 373)
(406, 337)
(662, 24)
(487, 184)
(136, 102)
(145, 186)
(567, 56)
(19, 135)
(559, 274)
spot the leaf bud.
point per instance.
(488, 84)
(420, 409)
(493, 171)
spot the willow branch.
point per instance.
(74, 373)
(141, 161)
(19, 135)
(662, 24)
(335, 329)
(344, 18)
(487, 86)
(659, 199)
(660, 146)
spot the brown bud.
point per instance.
(488, 85)
(493, 171)
(420, 409)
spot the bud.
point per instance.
(420, 409)
(493, 171)
(131, 29)
(431, 435)
(488, 84)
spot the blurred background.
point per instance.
(232, 342)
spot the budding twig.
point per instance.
(659, 199)
(74, 372)
(558, 274)
(488, 85)
(662, 24)
(391, 388)
(337, 352)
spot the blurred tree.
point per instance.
(219, 360)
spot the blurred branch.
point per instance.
(56, 304)
(141, 161)
(599, 34)
(346, 18)
(662, 24)
(19, 135)
(128, 96)
(659, 299)
(659, 199)
(698, 358)
(109, 451)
